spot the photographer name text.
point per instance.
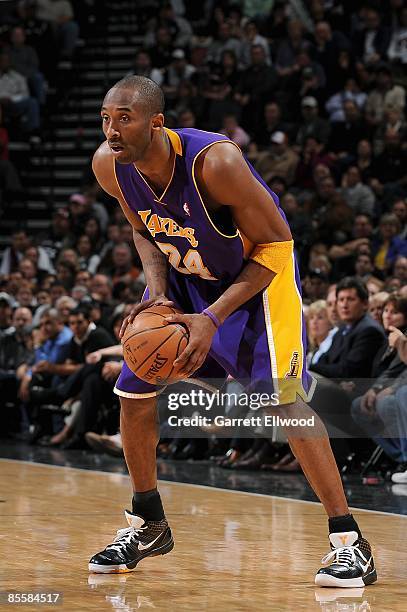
(267, 420)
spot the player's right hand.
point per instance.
(159, 300)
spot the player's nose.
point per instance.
(112, 132)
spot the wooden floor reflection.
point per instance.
(233, 551)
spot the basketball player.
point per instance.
(214, 242)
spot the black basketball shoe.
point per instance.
(351, 560)
(140, 540)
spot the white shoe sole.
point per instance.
(331, 581)
(109, 569)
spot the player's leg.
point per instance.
(313, 451)
(148, 533)
(352, 561)
(140, 435)
(351, 554)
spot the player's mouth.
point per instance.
(116, 148)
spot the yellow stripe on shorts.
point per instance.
(283, 315)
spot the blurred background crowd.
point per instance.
(314, 94)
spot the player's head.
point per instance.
(132, 113)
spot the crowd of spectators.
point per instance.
(38, 43)
(316, 100)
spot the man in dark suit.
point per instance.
(345, 135)
(372, 42)
(358, 339)
(350, 358)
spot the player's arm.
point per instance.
(225, 179)
(155, 265)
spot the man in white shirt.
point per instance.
(385, 94)
(358, 196)
(15, 97)
(179, 70)
(54, 10)
(143, 67)
(61, 16)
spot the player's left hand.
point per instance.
(201, 331)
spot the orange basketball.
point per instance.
(150, 347)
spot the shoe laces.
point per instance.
(124, 537)
(344, 555)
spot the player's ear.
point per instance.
(157, 121)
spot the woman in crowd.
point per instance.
(376, 305)
(320, 331)
(88, 260)
(388, 246)
(94, 231)
(229, 68)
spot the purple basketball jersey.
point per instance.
(192, 238)
(260, 343)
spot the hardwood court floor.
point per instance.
(233, 551)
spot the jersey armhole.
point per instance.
(237, 234)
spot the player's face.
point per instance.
(126, 125)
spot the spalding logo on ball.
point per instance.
(150, 346)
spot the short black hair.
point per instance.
(351, 282)
(150, 94)
(82, 309)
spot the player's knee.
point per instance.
(298, 409)
(135, 409)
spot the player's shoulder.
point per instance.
(222, 172)
(222, 156)
(103, 168)
(103, 156)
